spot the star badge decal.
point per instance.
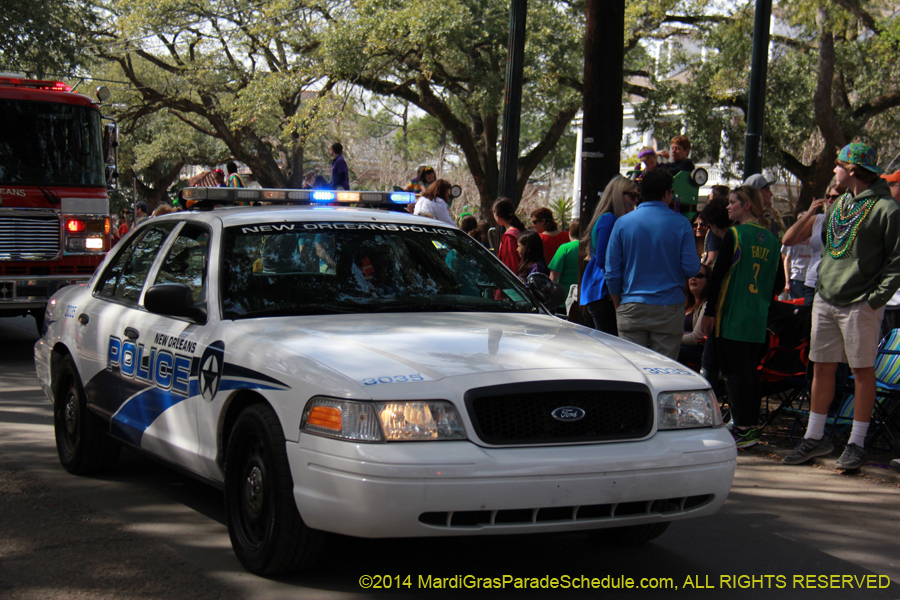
(211, 366)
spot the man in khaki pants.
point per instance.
(650, 255)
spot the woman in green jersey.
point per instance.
(745, 279)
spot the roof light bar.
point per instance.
(205, 198)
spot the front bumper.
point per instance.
(459, 488)
(33, 292)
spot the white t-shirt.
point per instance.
(815, 244)
(436, 209)
(801, 255)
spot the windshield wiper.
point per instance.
(294, 311)
(443, 307)
(51, 196)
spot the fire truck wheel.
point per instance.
(39, 321)
(82, 445)
(267, 533)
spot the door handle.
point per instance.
(84, 319)
(131, 333)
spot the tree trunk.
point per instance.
(156, 191)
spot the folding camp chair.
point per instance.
(886, 413)
(884, 430)
(783, 367)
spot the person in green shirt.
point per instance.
(745, 278)
(564, 265)
(859, 272)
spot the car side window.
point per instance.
(125, 276)
(186, 261)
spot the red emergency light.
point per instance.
(75, 225)
(53, 86)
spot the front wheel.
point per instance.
(82, 445)
(267, 533)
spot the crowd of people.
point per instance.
(700, 292)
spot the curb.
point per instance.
(884, 473)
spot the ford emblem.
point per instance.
(568, 414)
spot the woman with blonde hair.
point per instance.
(746, 276)
(619, 198)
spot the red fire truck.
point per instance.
(54, 211)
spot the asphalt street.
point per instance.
(145, 531)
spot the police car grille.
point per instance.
(564, 514)
(526, 417)
(29, 237)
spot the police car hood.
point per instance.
(433, 346)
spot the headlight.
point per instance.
(697, 408)
(383, 421)
(424, 420)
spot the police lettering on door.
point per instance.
(158, 365)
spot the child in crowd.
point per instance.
(531, 255)
(648, 158)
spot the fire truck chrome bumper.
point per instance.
(33, 292)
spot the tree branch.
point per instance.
(860, 13)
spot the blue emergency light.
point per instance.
(203, 198)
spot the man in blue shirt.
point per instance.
(650, 255)
(340, 174)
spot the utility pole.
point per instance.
(601, 138)
(756, 108)
(604, 55)
(512, 112)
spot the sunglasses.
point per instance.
(699, 276)
(696, 225)
(832, 196)
(537, 220)
(631, 195)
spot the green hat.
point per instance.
(862, 155)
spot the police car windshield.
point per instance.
(289, 269)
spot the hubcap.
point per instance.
(71, 415)
(253, 489)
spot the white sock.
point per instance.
(815, 430)
(858, 433)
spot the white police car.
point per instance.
(373, 374)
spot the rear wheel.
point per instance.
(82, 445)
(266, 530)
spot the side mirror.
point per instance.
(174, 300)
(102, 93)
(110, 141)
(550, 294)
(455, 191)
(111, 153)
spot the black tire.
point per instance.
(83, 447)
(267, 533)
(630, 535)
(39, 320)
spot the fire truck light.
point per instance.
(93, 243)
(75, 225)
(106, 226)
